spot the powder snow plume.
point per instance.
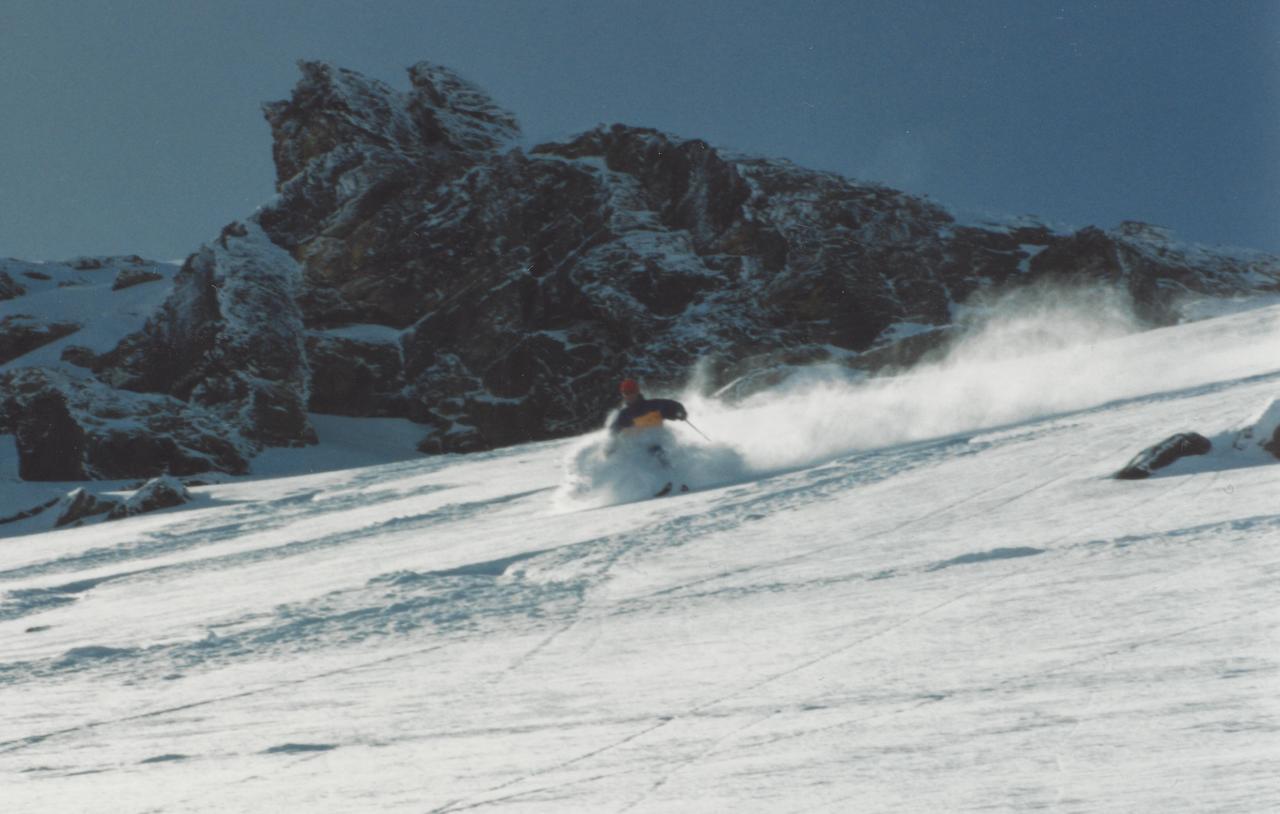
(602, 471)
(1027, 354)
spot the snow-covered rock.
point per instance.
(1262, 431)
(1254, 442)
(229, 338)
(71, 429)
(128, 278)
(158, 493)
(81, 504)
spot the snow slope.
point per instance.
(922, 594)
(83, 292)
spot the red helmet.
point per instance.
(629, 387)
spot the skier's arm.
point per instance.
(671, 410)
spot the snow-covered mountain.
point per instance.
(921, 592)
(418, 263)
(525, 283)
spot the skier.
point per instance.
(641, 415)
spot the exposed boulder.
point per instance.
(157, 493)
(80, 504)
(1257, 441)
(1164, 453)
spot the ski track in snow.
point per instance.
(980, 620)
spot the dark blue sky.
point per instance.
(135, 126)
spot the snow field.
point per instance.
(963, 614)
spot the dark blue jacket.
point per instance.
(646, 413)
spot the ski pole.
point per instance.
(698, 431)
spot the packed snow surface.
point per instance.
(914, 594)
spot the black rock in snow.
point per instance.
(1164, 453)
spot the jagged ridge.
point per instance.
(418, 264)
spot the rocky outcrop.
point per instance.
(415, 263)
(50, 442)
(525, 283)
(229, 339)
(80, 505)
(1262, 432)
(1171, 449)
(69, 429)
(128, 278)
(1257, 441)
(157, 493)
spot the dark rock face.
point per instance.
(355, 377)
(21, 334)
(79, 356)
(50, 442)
(1272, 444)
(69, 430)
(230, 339)
(1164, 453)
